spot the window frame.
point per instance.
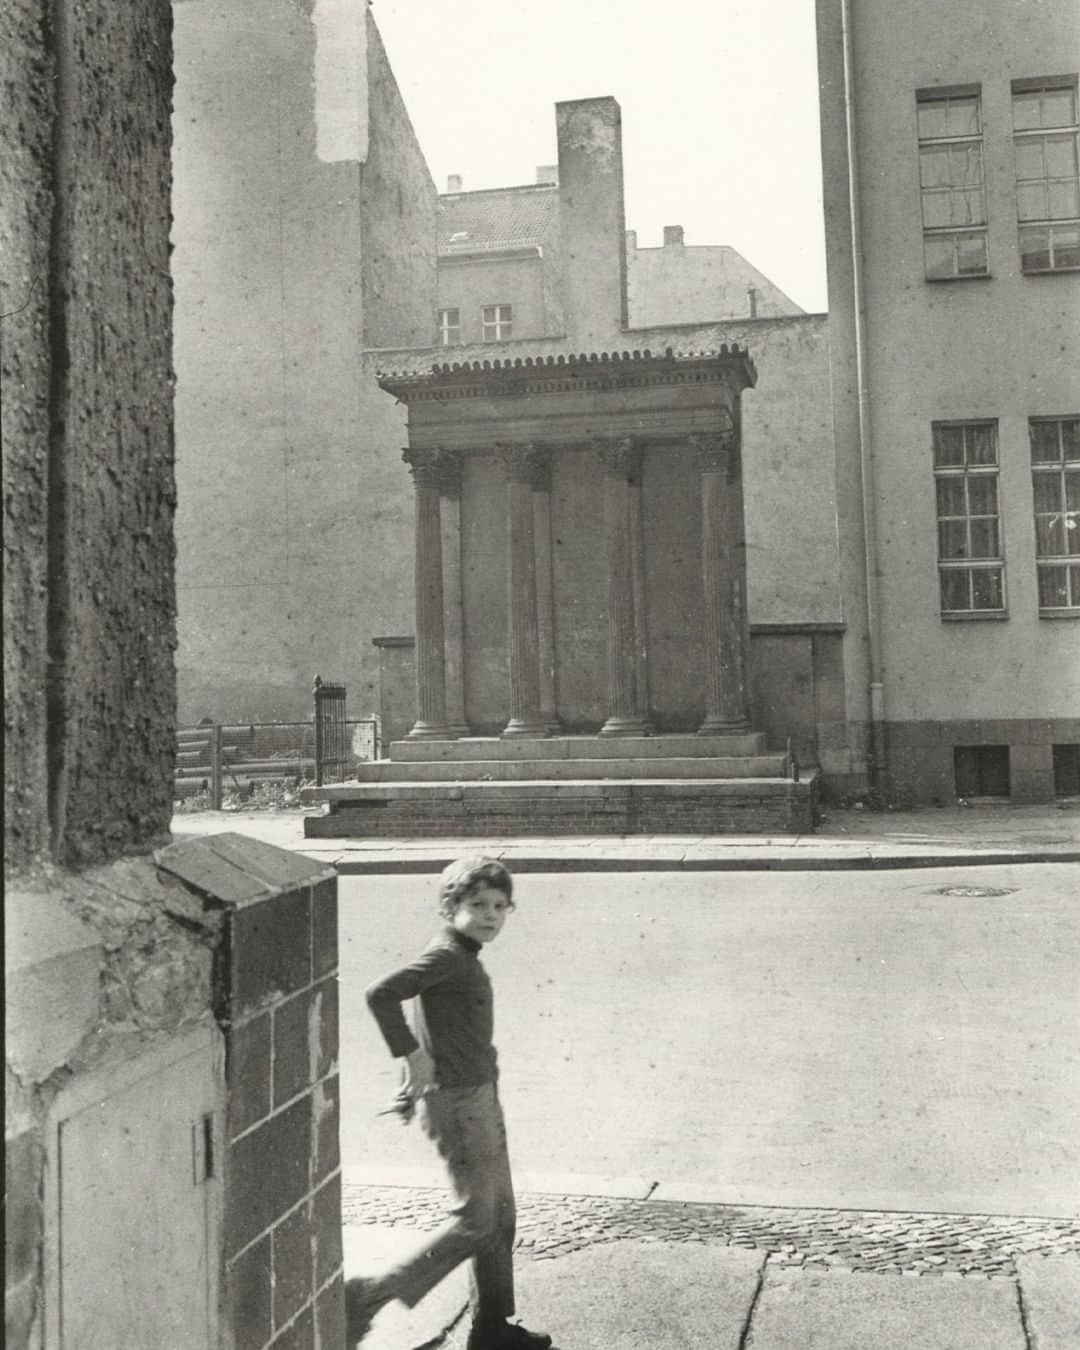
(498, 323)
(965, 472)
(1053, 226)
(954, 234)
(1059, 468)
(445, 328)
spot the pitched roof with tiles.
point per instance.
(514, 217)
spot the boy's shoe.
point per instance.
(362, 1302)
(506, 1336)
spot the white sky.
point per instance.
(718, 97)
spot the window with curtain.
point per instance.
(971, 560)
(1046, 140)
(952, 184)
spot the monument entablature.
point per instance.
(567, 401)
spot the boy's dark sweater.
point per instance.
(455, 1014)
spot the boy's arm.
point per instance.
(386, 996)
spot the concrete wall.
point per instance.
(294, 519)
(682, 283)
(87, 430)
(996, 347)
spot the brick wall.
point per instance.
(277, 1001)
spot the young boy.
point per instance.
(450, 1074)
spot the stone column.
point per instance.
(430, 654)
(545, 590)
(450, 475)
(523, 616)
(637, 570)
(725, 692)
(620, 459)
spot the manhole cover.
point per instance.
(975, 892)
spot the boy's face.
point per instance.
(481, 913)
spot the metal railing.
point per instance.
(212, 756)
(331, 738)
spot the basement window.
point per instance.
(1067, 770)
(981, 770)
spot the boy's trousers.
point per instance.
(466, 1125)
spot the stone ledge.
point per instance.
(236, 870)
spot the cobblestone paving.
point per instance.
(951, 1245)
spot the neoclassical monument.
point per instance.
(580, 553)
(581, 619)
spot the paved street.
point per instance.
(858, 1041)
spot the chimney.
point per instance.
(592, 221)
(547, 173)
(673, 234)
(454, 183)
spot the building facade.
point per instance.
(953, 235)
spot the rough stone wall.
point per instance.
(113, 700)
(88, 446)
(26, 131)
(99, 966)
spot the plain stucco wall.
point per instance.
(294, 539)
(518, 282)
(1001, 347)
(682, 283)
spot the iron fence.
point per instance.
(212, 756)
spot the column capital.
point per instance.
(423, 465)
(432, 466)
(620, 455)
(715, 450)
(529, 463)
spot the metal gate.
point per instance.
(332, 751)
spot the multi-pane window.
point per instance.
(1045, 136)
(952, 184)
(449, 327)
(1055, 472)
(971, 563)
(497, 322)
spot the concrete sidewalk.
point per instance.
(848, 839)
(644, 1294)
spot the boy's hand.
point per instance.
(419, 1073)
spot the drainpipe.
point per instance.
(877, 754)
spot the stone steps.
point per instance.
(579, 770)
(677, 746)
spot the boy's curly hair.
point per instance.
(463, 875)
